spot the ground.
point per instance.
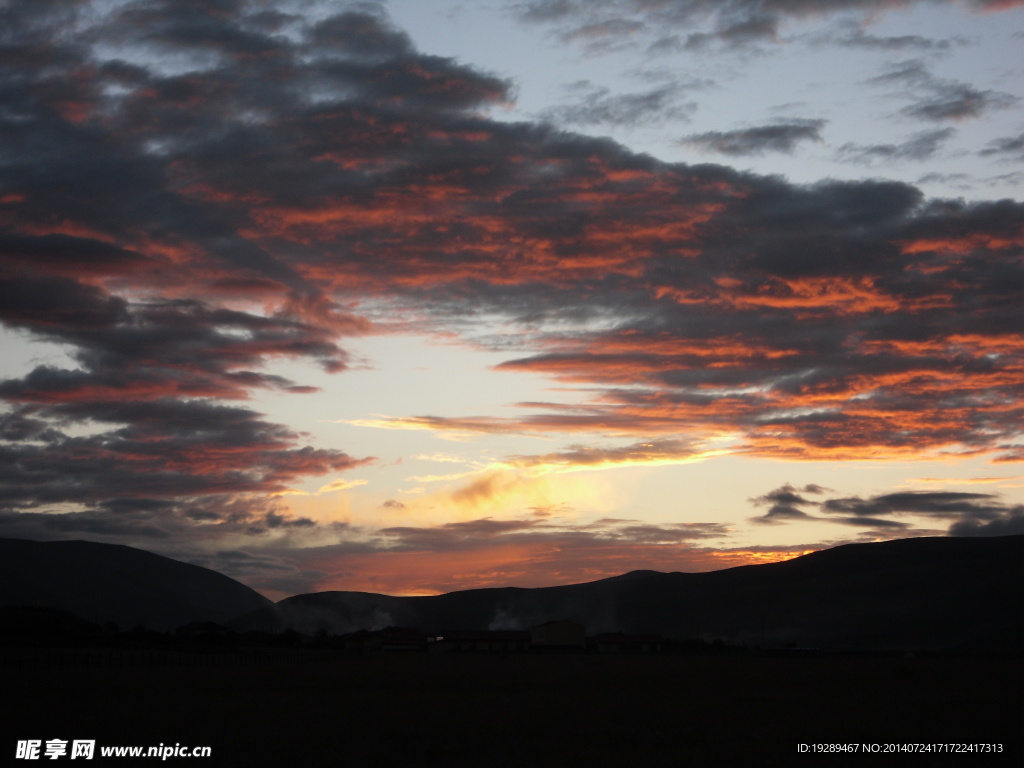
(325, 709)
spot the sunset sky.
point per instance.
(426, 295)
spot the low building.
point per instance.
(480, 641)
(619, 642)
(387, 639)
(558, 635)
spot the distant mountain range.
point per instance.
(112, 583)
(965, 593)
(925, 593)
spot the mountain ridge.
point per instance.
(924, 592)
(118, 583)
(942, 592)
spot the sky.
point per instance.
(417, 296)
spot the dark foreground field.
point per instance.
(528, 710)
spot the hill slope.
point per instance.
(909, 593)
(110, 582)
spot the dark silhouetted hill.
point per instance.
(112, 583)
(924, 593)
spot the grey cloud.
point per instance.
(776, 137)
(920, 146)
(960, 180)
(856, 37)
(597, 105)
(1010, 146)
(909, 72)
(730, 22)
(472, 534)
(546, 10)
(873, 523)
(939, 100)
(599, 31)
(672, 533)
(736, 33)
(958, 101)
(588, 455)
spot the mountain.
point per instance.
(965, 593)
(110, 582)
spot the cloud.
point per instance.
(581, 457)
(784, 503)
(340, 485)
(730, 23)
(603, 34)
(920, 146)
(1009, 523)
(1010, 146)
(194, 191)
(594, 105)
(967, 514)
(160, 450)
(854, 36)
(777, 137)
(958, 101)
(939, 100)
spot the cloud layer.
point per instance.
(601, 25)
(190, 190)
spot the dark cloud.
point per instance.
(784, 504)
(967, 514)
(940, 504)
(788, 494)
(1008, 523)
(360, 35)
(777, 137)
(164, 449)
(921, 146)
